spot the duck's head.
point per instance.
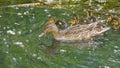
(109, 18)
(72, 22)
(51, 20)
(51, 27)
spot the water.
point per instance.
(21, 47)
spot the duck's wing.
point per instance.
(79, 28)
(75, 36)
(78, 36)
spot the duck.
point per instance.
(90, 18)
(73, 22)
(109, 19)
(51, 19)
(76, 20)
(59, 23)
(114, 22)
(74, 33)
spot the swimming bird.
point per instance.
(74, 33)
(90, 18)
(59, 23)
(76, 20)
(109, 19)
(114, 22)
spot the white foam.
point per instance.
(11, 32)
(19, 44)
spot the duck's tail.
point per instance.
(103, 30)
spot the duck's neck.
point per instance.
(55, 31)
(51, 27)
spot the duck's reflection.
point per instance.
(55, 47)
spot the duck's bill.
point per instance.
(41, 35)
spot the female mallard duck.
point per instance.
(74, 33)
(114, 22)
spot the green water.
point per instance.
(20, 45)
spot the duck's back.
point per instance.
(81, 32)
